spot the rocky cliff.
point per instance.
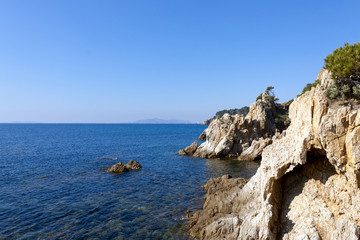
(242, 137)
(307, 186)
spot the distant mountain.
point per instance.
(161, 121)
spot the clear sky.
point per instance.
(121, 61)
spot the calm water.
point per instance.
(53, 183)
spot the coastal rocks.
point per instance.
(242, 137)
(118, 168)
(217, 189)
(307, 186)
(133, 165)
(190, 150)
(121, 168)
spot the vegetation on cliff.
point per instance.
(308, 87)
(270, 94)
(244, 111)
(344, 65)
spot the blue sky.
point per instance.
(121, 61)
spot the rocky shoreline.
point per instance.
(242, 137)
(307, 186)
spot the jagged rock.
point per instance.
(255, 150)
(307, 186)
(121, 168)
(133, 165)
(202, 136)
(118, 168)
(190, 149)
(217, 189)
(242, 137)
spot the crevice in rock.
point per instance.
(292, 184)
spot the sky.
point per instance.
(66, 61)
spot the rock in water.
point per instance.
(121, 168)
(118, 168)
(190, 150)
(241, 137)
(307, 186)
(133, 165)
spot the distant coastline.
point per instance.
(162, 121)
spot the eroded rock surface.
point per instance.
(190, 150)
(133, 165)
(307, 186)
(242, 137)
(215, 207)
(121, 168)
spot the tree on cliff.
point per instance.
(271, 94)
(344, 65)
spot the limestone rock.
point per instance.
(242, 137)
(307, 186)
(217, 189)
(190, 150)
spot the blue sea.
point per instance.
(54, 184)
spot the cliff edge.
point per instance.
(239, 136)
(307, 186)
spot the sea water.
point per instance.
(54, 184)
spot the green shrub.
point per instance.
(333, 92)
(309, 86)
(344, 65)
(259, 97)
(243, 110)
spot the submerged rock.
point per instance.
(121, 168)
(242, 137)
(307, 186)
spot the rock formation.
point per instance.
(307, 186)
(133, 165)
(242, 137)
(121, 168)
(190, 150)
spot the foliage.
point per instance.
(344, 65)
(309, 86)
(259, 97)
(270, 91)
(243, 110)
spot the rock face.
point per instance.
(217, 190)
(242, 137)
(121, 168)
(307, 186)
(190, 150)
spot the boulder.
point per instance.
(121, 168)
(118, 168)
(133, 165)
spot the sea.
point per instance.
(54, 183)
